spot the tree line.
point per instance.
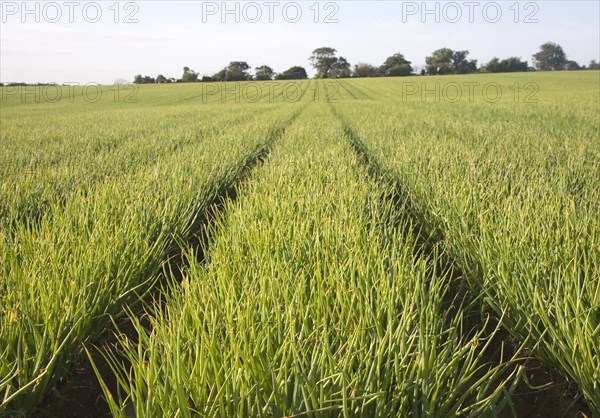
(326, 62)
(235, 71)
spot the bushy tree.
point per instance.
(264, 72)
(593, 65)
(440, 62)
(365, 70)
(235, 71)
(461, 65)
(340, 69)
(323, 59)
(138, 79)
(293, 73)
(447, 61)
(551, 57)
(508, 65)
(395, 66)
(220, 76)
(189, 76)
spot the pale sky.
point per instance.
(104, 41)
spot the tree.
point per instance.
(514, 64)
(440, 62)
(340, 69)
(593, 65)
(322, 59)
(365, 70)
(508, 65)
(461, 65)
(138, 79)
(293, 73)
(220, 76)
(189, 76)
(447, 61)
(161, 79)
(395, 66)
(572, 66)
(551, 57)
(237, 71)
(264, 72)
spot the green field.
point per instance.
(363, 247)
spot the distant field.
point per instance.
(413, 246)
